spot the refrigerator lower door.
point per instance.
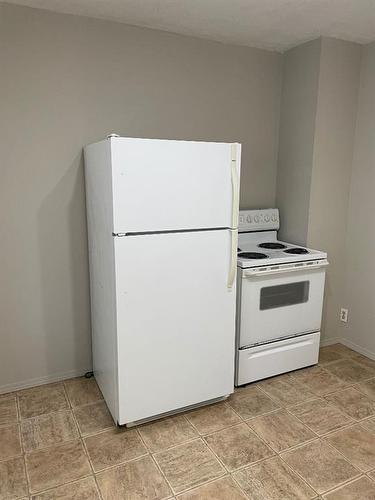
(175, 321)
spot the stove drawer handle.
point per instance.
(285, 270)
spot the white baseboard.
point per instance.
(56, 377)
(350, 344)
(358, 348)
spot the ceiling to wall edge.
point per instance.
(257, 46)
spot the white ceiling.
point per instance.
(271, 24)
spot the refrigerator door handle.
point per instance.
(233, 257)
(235, 186)
(235, 209)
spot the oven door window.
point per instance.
(289, 294)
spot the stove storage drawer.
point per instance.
(268, 360)
(280, 304)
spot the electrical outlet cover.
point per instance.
(344, 315)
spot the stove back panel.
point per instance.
(259, 220)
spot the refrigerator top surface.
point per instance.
(113, 137)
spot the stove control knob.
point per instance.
(267, 218)
(256, 219)
(241, 219)
(249, 219)
(274, 218)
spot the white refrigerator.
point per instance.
(162, 228)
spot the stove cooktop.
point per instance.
(273, 252)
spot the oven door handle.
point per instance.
(249, 273)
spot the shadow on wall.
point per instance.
(62, 239)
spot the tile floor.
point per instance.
(304, 435)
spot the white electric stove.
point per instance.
(280, 288)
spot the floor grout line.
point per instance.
(153, 459)
(73, 481)
(298, 474)
(343, 456)
(340, 485)
(23, 449)
(221, 462)
(84, 447)
(336, 488)
(344, 426)
(163, 474)
(210, 481)
(238, 484)
(91, 466)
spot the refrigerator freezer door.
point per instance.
(161, 185)
(175, 321)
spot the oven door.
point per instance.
(281, 301)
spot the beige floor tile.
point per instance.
(357, 445)
(280, 430)
(237, 446)
(188, 465)
(10, 443)
(327, 355)
(167, 432)
(250, 402)
(55, 466)
(352, 402)
(42, 399)
(114, 447)
(350, 371)
(221, 489)
(285, 391)
(13, 483)
(372, 475)
(341, 349)
(137, 480)
(364, 360)
(320, 465)
(8, 410)
(213, 418)
(272, 479)
(360, 489)
(93, 418)
(367, 388)
(82, 391)
(318, 380)
(47, 430)
(84, 489)
(321, 416)
(369, 424)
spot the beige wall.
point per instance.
(331, 171)
(317, 125)
(360, 268)
(67, 81)
(296, 139)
